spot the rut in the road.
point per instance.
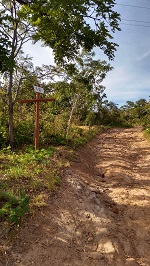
(100, 214)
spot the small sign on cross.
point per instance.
(38, 89)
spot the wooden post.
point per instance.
(37, 101)
(37, 121)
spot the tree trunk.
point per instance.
(10, 112)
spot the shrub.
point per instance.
(13, 208)
(23, 133)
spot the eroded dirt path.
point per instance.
(94, 220)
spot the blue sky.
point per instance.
(130, 78)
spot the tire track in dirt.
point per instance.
(100, 214)
(128, 171)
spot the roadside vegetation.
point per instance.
(80, 109)
(29, 176)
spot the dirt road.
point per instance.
(100, 215)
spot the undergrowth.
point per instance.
(12, 207)
(29, 171)
(36, 173)
(81, 135)
(147, 133)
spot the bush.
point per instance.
(147, 133)
(23, 133)
(4, 138)
(13, 208)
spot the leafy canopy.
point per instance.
(5, 44)
(66, 26)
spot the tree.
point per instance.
(16, 32)
(14, 66)
(81, 91)
(136, 113)
(88, 78)
(66, 26)
(141, 108)
(108, 113)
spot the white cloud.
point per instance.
(143, 56)
(41, 55)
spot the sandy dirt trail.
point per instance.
(100, 215)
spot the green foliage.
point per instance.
(108, 114)
(23, 132)
(52, 129)
(13, 208)
(81, 135)
(6, 62)
(31, 171)
(24, 165)
(90, 118)
(65, 27)
(136, 113)
(4, 138)
(7, 150)
(147, 133)
(55, 140)
(38, 155)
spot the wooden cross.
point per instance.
(38, 90)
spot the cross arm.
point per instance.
(37, 100)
